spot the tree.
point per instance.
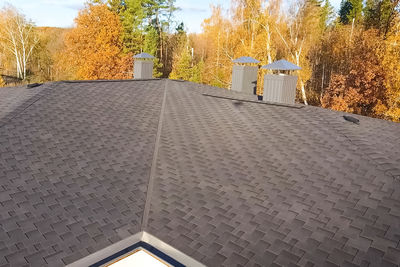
(302, 32)
(19, 38)
(350, 10)
(184, 66)
(150, 45)
(132, 16)
(146, 26)
(94, 47)
(216, 32)
(362, 90)
(381, 14)
(2, 82)
(391, 59)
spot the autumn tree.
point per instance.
(94, 48)
(2, 82)
(390, 62)
(184, 66)
(216, 31)
(362, 90)
(381, 14)
(18, 37)
(303, 31)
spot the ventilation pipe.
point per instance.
(143, 66)
(244, 75)
(280, 87)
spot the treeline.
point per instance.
(350, 61)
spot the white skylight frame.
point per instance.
(141, 236)
(138, 257)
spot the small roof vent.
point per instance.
(33, 85)
(351, 119)
(143, 56)
(246, 60)
(281, 65)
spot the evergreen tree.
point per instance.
(380, 14)
(345, 8)
(197, 72)
(327, 14)
(183, 67)
(349, 10)
(150, 45)
(132, 16)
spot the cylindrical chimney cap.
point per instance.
(143, 56)
(281, 65)
(246, 60)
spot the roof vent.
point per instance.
(352, 119)
(143, 66)
(33, 85)
(244, 75)
(280, 87)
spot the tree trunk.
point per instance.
(303, 92)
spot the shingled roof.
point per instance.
(84, 165)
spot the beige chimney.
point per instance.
(280, 87)
(244, 75)
(143, 66)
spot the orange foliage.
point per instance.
(362, 90)
(94, 48)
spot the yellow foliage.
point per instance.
(94, 47)
(2, 83)
(391, 59)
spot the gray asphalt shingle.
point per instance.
(235, 183)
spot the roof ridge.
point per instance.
(149, 190)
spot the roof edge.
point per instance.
(141, 236)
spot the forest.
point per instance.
(350, 59)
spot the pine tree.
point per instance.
(381, 14)
(132, 16)
(150, 45)
(349, 10)
(197, 72)
(327, 14)
(181, 70)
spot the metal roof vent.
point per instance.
(143, 66)
(244, 75)
(33, 85)
(280, 87)
(351, 119)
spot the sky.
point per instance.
(61, 13)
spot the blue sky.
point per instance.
(61, 13)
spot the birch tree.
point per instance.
(19, 38)
(302, 32)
